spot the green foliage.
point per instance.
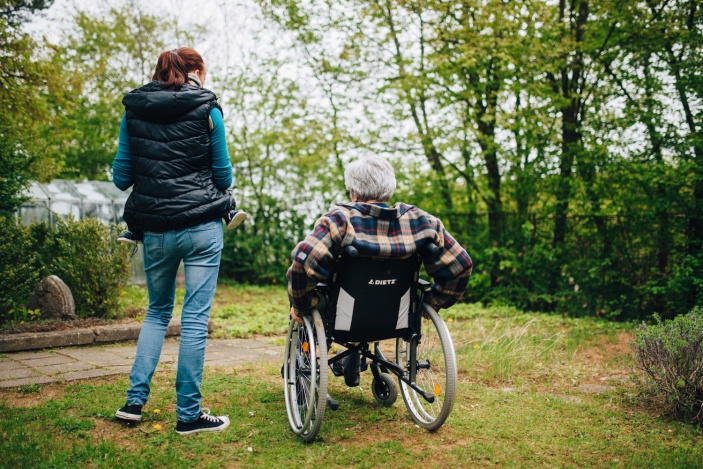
(670, 353)
(29, 389)
(285, 169)
(245, 311)
(560, 142)
(18, 273)
(107, 54)
(29, 83)
(539, 133)
(85, 254)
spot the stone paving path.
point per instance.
(68, 364)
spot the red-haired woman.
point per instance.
(172, 150)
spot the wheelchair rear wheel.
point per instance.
(436, 372)
(305, 375)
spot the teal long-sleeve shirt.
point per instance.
(123, 173)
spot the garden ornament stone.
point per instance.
(53, 297)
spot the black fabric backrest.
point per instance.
(372, 299)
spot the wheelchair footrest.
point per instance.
(334, 405)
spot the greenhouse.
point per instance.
(62, 198)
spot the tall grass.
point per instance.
(504, 345)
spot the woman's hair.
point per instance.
(371, 178)
(173, 66)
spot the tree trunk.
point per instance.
(571, 87)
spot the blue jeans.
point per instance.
(200, 248)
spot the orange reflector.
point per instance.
(437, 389)
(306, 347)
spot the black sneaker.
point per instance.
(130, 237)
(204, 423)
(351, 369)
(131, 412)
(234, 217)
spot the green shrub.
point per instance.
(671, 355)
(86, 255)
(18, 274)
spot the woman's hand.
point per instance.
(294, 315)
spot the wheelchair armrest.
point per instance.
(424, 285)
(322, 287)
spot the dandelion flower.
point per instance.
(476, 346)
(157, 426)
(156, 411)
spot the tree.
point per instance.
(106, 56)
(284, 165)
(27, 80)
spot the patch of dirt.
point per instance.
(59, 325)
(13, 398)
(606, 352)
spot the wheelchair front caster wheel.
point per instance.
(385, 392)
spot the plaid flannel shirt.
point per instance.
(395, 232)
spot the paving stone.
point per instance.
(31, 355)
(124, 369)
(125, 351)
(74, 375)
(39, 379)
(9, 365)
(166, 367)
(64, 367)
(246, 343)
(224, 363)
(168, 359)
(97, 356)
(43, 340)
(52, 360)
(18, 373)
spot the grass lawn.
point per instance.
(534, 390)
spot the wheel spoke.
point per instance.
(305, 379)
(436, 373)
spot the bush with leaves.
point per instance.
(85, 254)
(671, 355)
(18, 274)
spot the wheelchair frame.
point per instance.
(306, 366)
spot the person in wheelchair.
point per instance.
(376, 230)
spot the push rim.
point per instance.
(436, 372)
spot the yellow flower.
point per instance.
(495, 341)
(156, 411)
(450, 320)
(476, 346)
(157, 426)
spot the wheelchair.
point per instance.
(369, 300)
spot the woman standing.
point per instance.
(172, 149)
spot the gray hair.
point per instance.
(371, 178)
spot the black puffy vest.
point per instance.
(169, 144)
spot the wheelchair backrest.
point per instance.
(373, 298)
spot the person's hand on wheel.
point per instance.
(294, 315)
